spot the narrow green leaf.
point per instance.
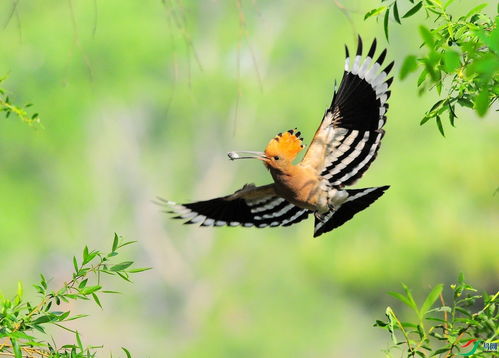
(451, 61)
(460, 278)
(413, 10)
(475, 10)
(115, 242)
(427, 36)
(88, 256)
(21, 335)
(142, 269)
(401, 298)
(436, 105)
(96, 299)
(409, 65)
(482, 102)
(124, 276)
(440, 127)
(121, 266)
(16, 348)
(396, 12)
(448, 3)
(88, 290)
(385, 23)
(83, 283)
(440, 351)
(452, 115)
(128, 355)
(374, 12)
(75, 264)
(63, 316)
(38, 328)
(127, 243)
(44, 319)
(431, 298)
(78, 341)
(19, 289)
(422, 77)
(77, 317)
(43, 281)
(465, 102)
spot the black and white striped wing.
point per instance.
(350, 134)
(268, 210)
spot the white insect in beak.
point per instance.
(245, 154)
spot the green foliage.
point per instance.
(461, 60)
(443, 328)
(9, 108)
(150, 122)
(23, 324)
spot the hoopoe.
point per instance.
(343, 148)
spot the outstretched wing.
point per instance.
(349, 136)
(249, 206)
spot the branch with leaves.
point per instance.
(21, 112)
(461, 60)
(442, 329)
(23, 324)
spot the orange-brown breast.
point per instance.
(297, 184)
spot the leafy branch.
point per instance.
(443, 329)
(10, 108)
(23, 324)
(461, 60)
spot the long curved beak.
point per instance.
(246, 154)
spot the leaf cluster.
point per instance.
(440, 328)
(461, 59)
(21, 112)
(23, 324)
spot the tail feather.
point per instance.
(358, 200)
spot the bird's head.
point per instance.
(279, 152)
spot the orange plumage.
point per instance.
(286, 145)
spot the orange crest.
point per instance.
(285, 145)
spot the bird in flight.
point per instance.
(343, 148)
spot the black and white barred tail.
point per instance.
(358, 200)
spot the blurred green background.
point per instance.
(142, 99)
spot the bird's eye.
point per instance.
(276, 157)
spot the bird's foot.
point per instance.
(320, 216)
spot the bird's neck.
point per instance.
(282, 170)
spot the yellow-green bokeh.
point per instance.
(129, 114)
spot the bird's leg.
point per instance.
(320, 216)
